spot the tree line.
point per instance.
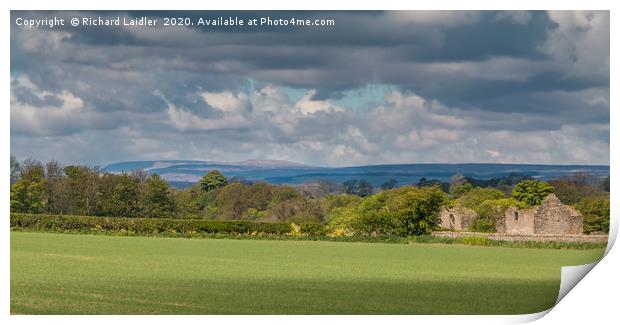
(352, 207)
(51, 188)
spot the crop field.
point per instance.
(90, 274)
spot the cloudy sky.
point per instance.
(378, 87)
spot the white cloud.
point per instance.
(227, 101)
(455, 99)
(580, 42)
(55, 112)
(307, 105)
(185, 120)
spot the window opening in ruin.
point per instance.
(516, 216)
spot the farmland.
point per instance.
(88, 274)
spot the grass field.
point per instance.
(87, 274)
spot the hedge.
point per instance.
(62, 223)
(312, 229)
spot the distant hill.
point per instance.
(183, 173)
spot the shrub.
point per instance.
(312, 229)
(374, 223)
(489, 210)
(254, 214)
(475, 240)
(483, 225)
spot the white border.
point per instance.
(593, 300)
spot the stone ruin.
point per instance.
(551, 217)
(457, 218)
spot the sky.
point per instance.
(375, 88)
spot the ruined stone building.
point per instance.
(457, 218)
(551, 217)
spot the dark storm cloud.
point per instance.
(454, 77)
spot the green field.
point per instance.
(88, 274)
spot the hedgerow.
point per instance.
(144, 225)
(196, 228)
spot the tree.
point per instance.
(15, 169)
(488, 203)
(213, 180)
(364, 188)
(325, 187)
(425, 182)
(374, 223)
(606, 184)
(234, 200)
(350, 186)
(474, 198)
(158, 201)
(389, 184)
(595, 211)
(498, 182)
(82, 188)
(126, 197)
(55, 196)
(358, 187)
(403, 211)
(461, 189)
(571, 189)
(532, 192)
(239, 179)
(105, 194)
(28, 193)
(418, 210)
(188, 202)
(456, 180)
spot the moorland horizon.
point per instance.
(307, 164)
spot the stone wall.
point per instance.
(530, 237)
(518, 221)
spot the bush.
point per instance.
(490, 210)
(475, 240)
(144, 226)
(374, 223)
(483, 225)
(312, 229)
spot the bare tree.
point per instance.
(15, 169)
(55, 191)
